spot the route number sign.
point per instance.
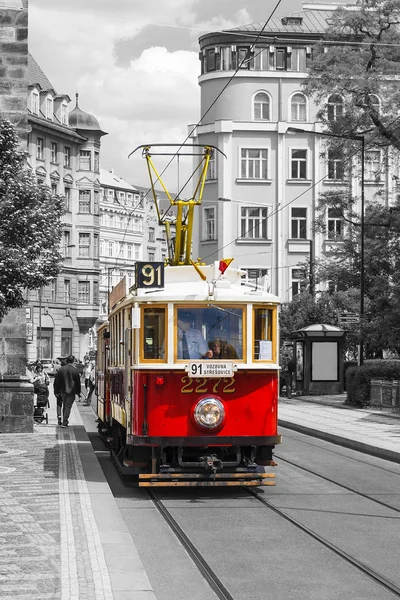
(149, 275)
(210, 369)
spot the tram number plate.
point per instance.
(210, 369)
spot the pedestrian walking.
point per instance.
(67, 385)
(287, 369)
(91, 382)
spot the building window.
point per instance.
(152, 256)
(67, 244)
(84, 292)
(110, 249)
(152, 235)
(85, 160)
(262, 107)
(253, 274)
(281, 59)
(299, 164)
(373, 166)
(96, 203)
(53, 152)
(96, 296)
(66, 342)
(211, 171)
(254, 163)
(95, 246)
(53, 290)
(64, 114)
(67, 156)
(49, 108)
(137, 252)
(253, 223)
(209, 229)
(298, 60)
(96, 162)
(67, 291)
(261, 59)
(335, 107)
(121, 251)
(39, 148)
(298, 106)
(67, 195)
(84, 245)
(130, 251)
(210, 60)
(335, 165)
(298, 282)
(335, 224)
(35, 103)
(84, 201)
(53, 188)
(299, 223)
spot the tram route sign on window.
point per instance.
(210, 369)
(149, 275)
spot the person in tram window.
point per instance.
(222, 350)
(191, 343)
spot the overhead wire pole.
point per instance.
(357, 138)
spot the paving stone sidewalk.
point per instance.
(328, 417)
(50, 544)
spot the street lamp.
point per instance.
(357, 138)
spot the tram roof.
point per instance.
(184, 284)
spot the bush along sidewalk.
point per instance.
(358, 379)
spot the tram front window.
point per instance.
(154, 333)
(264, 334)
(209, 333)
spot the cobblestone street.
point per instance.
(50, 544)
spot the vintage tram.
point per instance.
(187, 373)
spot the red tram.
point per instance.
(187, 374)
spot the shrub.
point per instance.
(358, 379)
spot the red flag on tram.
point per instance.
(224, 264)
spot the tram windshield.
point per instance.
(213, 332)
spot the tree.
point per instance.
(305, 310)
(30, 226)
(353, 75)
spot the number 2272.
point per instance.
(189, 386)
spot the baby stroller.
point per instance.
(41, 392)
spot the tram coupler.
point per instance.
(211, 463)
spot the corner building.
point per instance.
(260, 201)
(64, 153)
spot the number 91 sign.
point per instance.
(149, 275)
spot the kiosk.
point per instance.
(318, 351)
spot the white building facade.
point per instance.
(260, 201)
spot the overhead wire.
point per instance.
(211, 105)
(282, 207)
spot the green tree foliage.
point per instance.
(30, 226)
(326, 308)
(364, 75)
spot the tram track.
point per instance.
(341, 485)
(364, 569)
(215, 582)
(205, 569)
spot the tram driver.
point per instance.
(191, 343)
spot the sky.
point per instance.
(135, 65)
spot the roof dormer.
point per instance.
(292, 21)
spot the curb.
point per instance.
(342, 441)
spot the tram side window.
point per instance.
(263, 334)
(154, 342)
(214, 333)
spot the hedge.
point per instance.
(358, 379)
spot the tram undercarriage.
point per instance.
(181, 465)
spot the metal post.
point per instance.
(39, 348)
(362, 260)
(312, 279)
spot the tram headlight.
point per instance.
(209, 413)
